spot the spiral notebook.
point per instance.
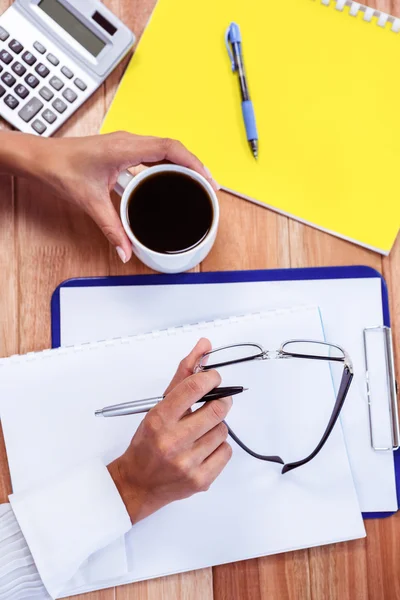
(322, 77)
(251, 509)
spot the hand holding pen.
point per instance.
(174, 452)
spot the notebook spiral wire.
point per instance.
(365, 12)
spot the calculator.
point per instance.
(53, 55)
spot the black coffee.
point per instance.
(170, 212)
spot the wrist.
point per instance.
(132, 495)
(20, 154)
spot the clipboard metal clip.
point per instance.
(376, 338)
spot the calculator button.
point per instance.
(29, 58)
(8, 79)
(32, 81)
(16, 46)
(3, 34)
(80, 84)
(59, 105)
(18, 68)
(1, 68)
(38, 126)
(56, 83)
(11, 101)
(2, 91)
(49, 116)
(30, 109)
(53, 59)
(21, 91)
(46, 93)
(6, 57)
(39, 47)
(69, 95)
(42, 70)
(67, 72)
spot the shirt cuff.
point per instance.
(67, 520)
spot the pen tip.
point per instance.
(254, 148)
(98, 413)
(245, 389)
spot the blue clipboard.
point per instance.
(350, 272)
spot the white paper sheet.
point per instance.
(48, 401)
(347, 306)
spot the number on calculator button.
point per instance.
(59, 105)
(29, 58)
(42, 70)
(21, 91)
(16, 46)
(18, 68)
(32, 81)
(5, 57)
(49, 116)
(38, 126)
(8, 79)
(11, 101)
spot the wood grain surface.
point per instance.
(43, 241)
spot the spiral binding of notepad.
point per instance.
(368, 13)
(137, 338)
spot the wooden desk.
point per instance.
(43, 242)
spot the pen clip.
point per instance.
(232, 35)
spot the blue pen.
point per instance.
(233, 41)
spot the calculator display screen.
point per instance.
(72, 25)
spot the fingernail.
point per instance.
(209, 175)
(121, 254)
(216, 184)
(208, 172)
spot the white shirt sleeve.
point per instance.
(19, 577)
(63, 523)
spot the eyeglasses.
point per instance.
(298, 349)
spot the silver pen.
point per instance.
(141, 406)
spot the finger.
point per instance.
(186, 393)
(208, 443)
(187, 365)
(214, 465)
(148, 149)
(204, 419)
(106, 217)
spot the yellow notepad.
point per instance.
(326, 93)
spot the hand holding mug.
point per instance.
(85, 170)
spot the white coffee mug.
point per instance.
(167, 263)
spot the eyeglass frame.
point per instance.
(347, 377)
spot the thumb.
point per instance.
(187, 365)
(106, 217)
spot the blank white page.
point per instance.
(346, 305)
(47, 406)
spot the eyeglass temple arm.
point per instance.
(275, 459)
(347, 378)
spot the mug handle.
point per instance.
(124, 178)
